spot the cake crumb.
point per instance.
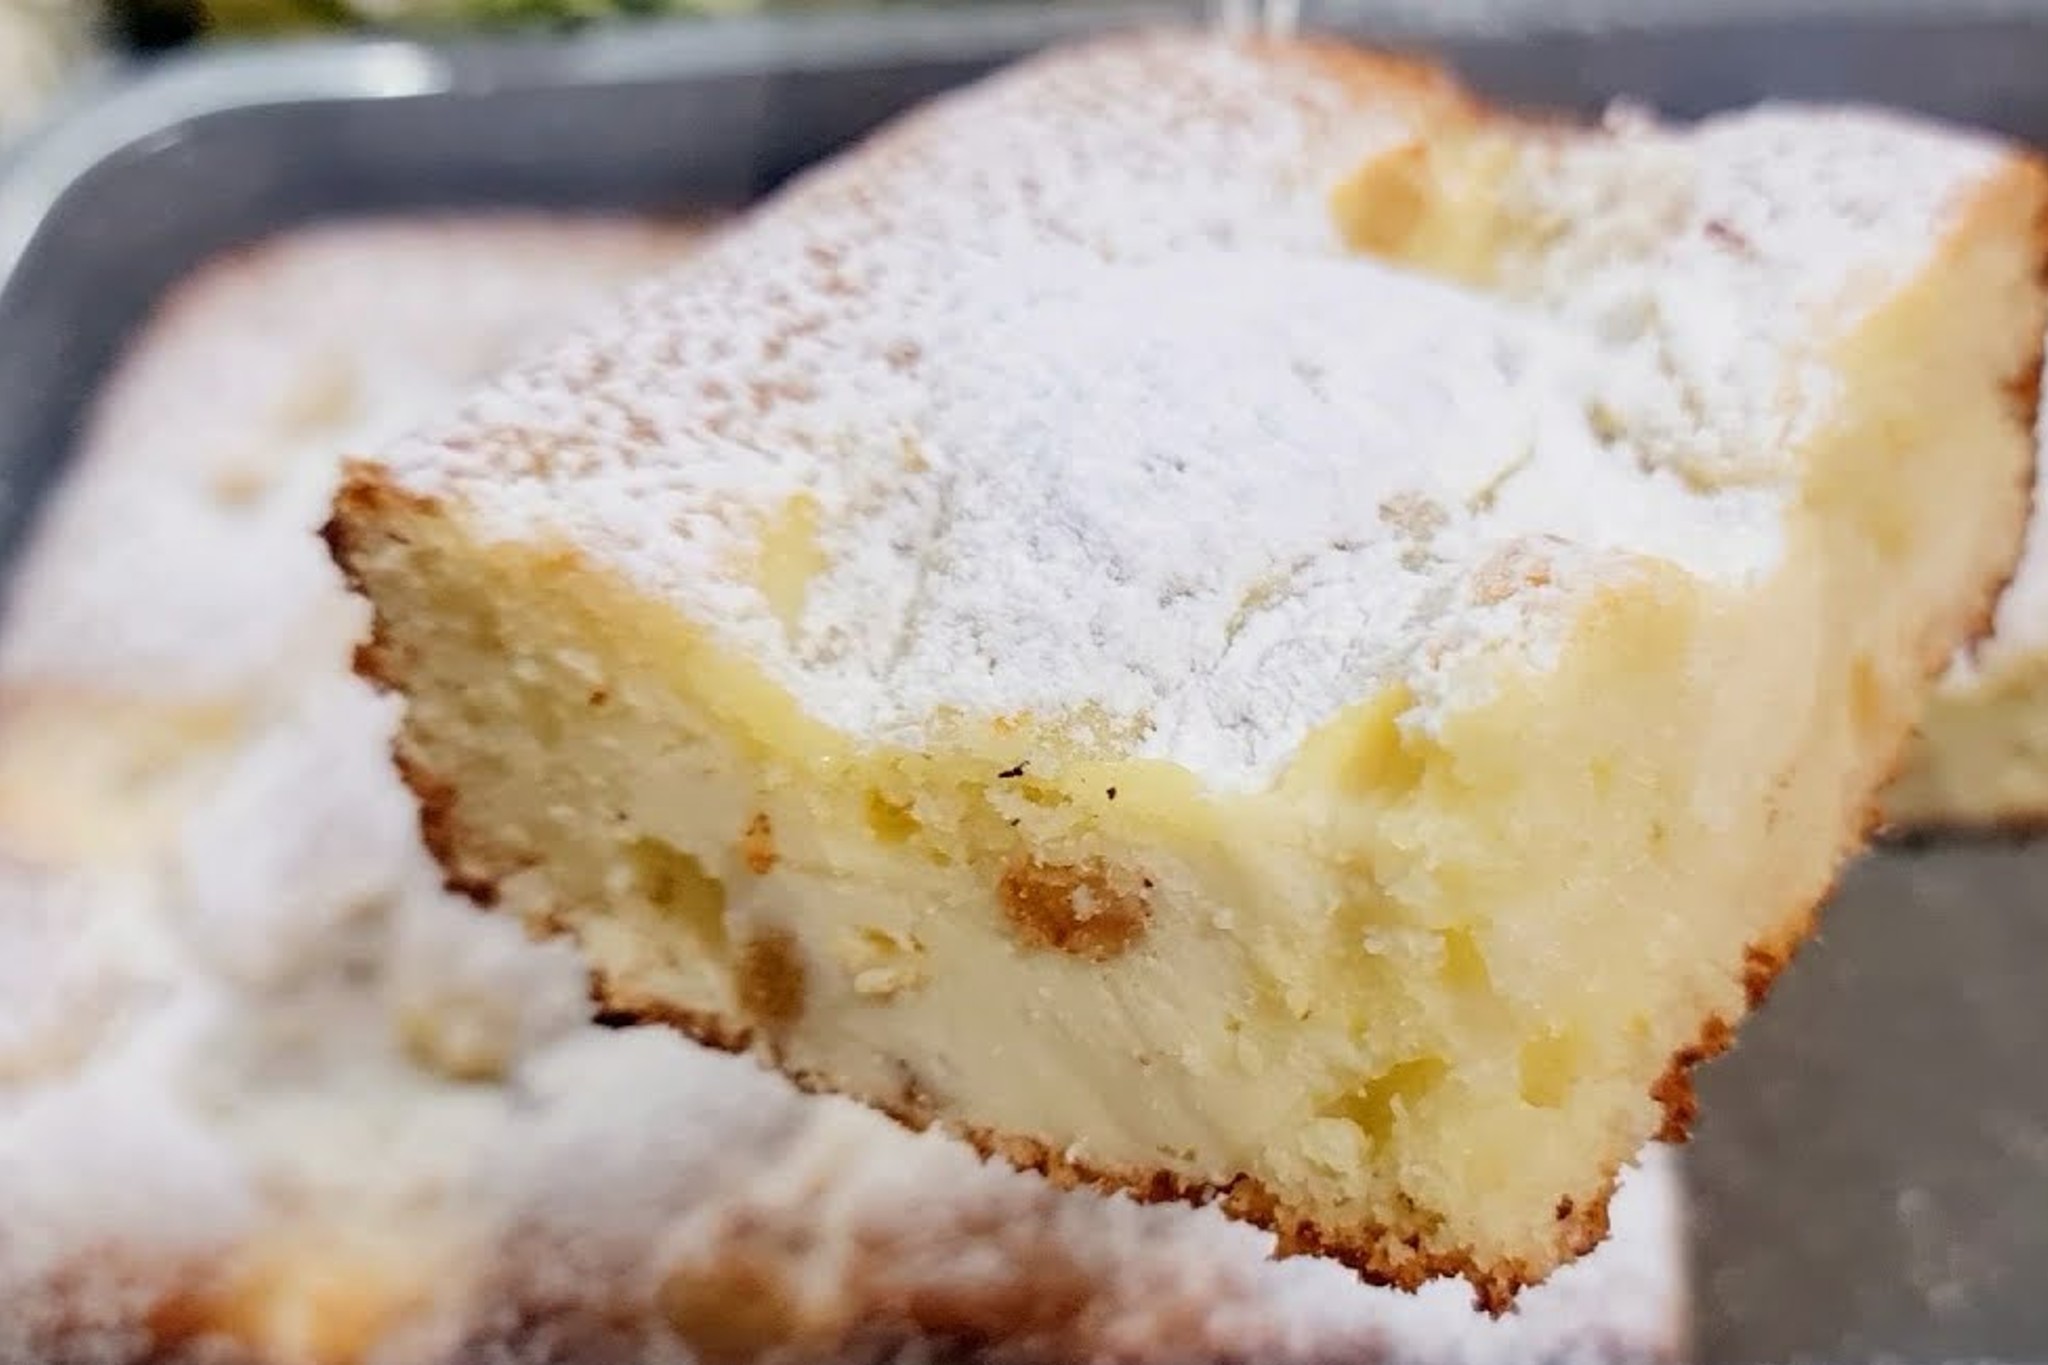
(1077, 909)
(757, 845)
(770, 979)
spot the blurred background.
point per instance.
(43, 43)
(1871, 1176)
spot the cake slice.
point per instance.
(269, 1094)
(1980, 761)
(1225, 622)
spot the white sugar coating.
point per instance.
(80, 949)
(260, 1056)
(1717, 264)
(1097, 414)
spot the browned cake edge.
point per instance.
(1766, 959)
(2009, 827)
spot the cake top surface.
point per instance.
(259, 1075)
(1085, 407)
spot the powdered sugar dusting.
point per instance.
(1096, 413)
(264, 1088)
(1718, 265)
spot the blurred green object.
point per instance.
(253, 17)
(270, 16)
(529, 11)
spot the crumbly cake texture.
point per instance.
(1226, 623)
(268, 1093)
(1980, 760)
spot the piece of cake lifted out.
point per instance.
(1222, 621)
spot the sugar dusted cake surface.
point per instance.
(1058, 403)
(268, 1093)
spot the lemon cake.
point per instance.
(1980, 760)
(269, 1094)
(1229, 624)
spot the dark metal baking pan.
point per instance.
(1871, 1177)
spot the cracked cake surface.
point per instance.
(269, 1094)
(1228, 623)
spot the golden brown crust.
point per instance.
(437, 828)
(365, 496)
(1763, 962)
(1674, 1089)
(1382, 1255)
(2018, 828)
